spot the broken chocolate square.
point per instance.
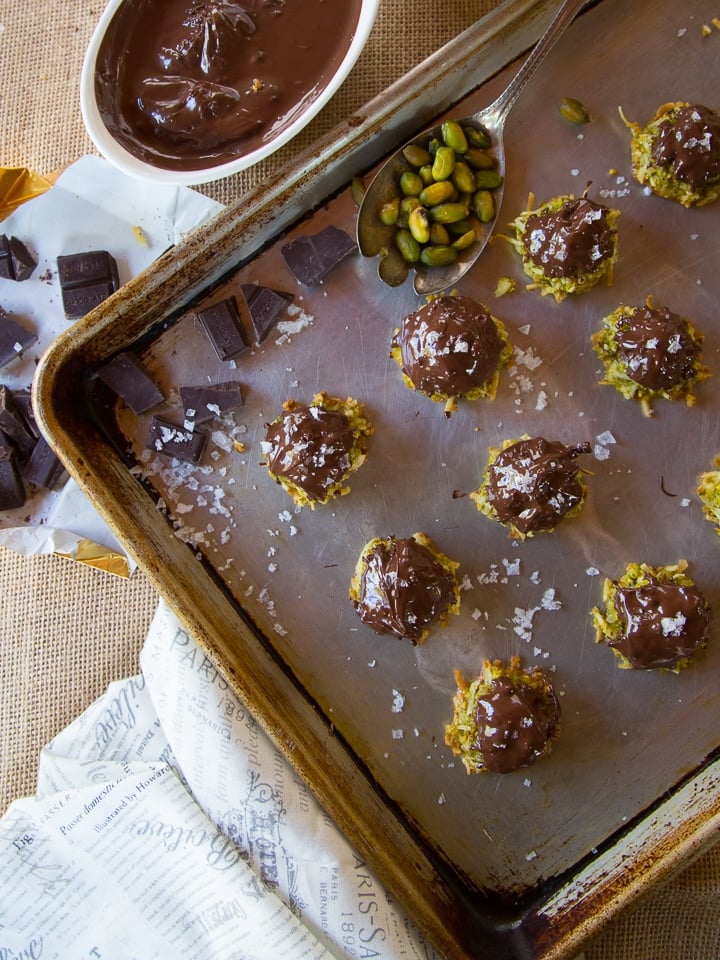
(221, 323)
(176, 441)
(12, 490)
(212, 400)
(13, 426)
(14, 338)
(16, 261)
(23, 401)
(127, 377)
(311, 258)
(44, 469)
(265, 306)
(86, 279)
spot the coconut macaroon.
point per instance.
(452, 348)
(650, 352)
(311, 449)
(708, 490)
(653, 617)
(531, 484)
(504, 719)
(404, 587)
(567, 244)
(677, 155)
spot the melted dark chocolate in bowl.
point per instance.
(185, 85)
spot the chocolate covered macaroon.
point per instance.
(452, 348)
(504, 719)
(531, 484)
(650, 352)
(677, 155)
(653, 617)
(311, 449)
(708, 491)
(567, 244)
(404, 587)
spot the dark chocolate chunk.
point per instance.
(311, 258)
(86, 279)
(16, 261)
(12, 490)
(176, 441)
(23, 401)
(44, 469)
(211, 400)
(127, 377)
(14, 338)
(13, 426)
(221, 323)
(265, 306)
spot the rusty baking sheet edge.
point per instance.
(565, 916)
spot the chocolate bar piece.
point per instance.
(176, 441)
(13, 426)
(311, 258)
(44, 469)
(14, 338)
(16, 261)
(212, 400)
(265, 306)
(23, 401)
(12, 490)
(221, 323)
(86, 279)
(127, 377)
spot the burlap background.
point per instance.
(67, 630)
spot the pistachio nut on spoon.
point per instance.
(432, 206)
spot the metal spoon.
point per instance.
(374, 238)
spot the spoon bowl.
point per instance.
(376, 239)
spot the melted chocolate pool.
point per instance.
(185, 85)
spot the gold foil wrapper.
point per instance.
(19, 184)
(95, 555)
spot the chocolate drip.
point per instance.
(450, 346)
(570, 241)
(657, 347)
(689, 143)
(404, 589)
(187, 85)
(663, 623)
(311, 447)
(534, 483)
(515, 722)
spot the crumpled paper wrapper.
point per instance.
(91, 206)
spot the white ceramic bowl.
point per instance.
(125, 161)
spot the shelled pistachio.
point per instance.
(445, 195)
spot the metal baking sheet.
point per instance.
(520, 865)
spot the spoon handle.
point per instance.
(562, 19)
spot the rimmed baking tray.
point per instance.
(529, 864)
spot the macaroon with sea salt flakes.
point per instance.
(531, 484)
(677, 154)
(567, 244)
(650, 352)
(653, 618)
(504, 719)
